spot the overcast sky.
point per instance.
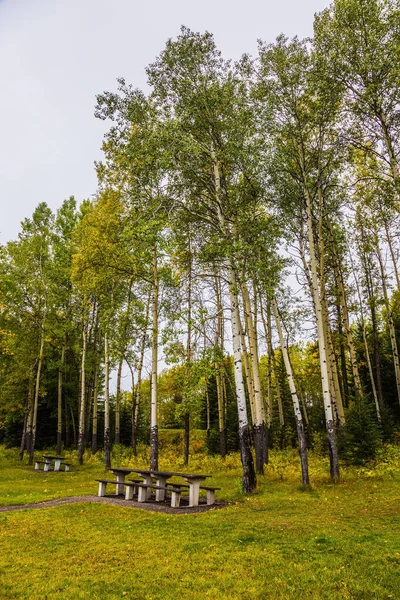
(56, 55)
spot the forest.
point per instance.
(236, 270)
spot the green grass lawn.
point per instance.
(335, 541)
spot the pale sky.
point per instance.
(56, 55)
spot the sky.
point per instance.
(57, 55)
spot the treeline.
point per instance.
(215, 186)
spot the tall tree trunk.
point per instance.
(36, 399)
(107, 444)
(296, 405)
(350, 343)
(393, 257)
(390, 321)
(82, 405)
(219, 374)
(249, 476)
(59, 398)
(133, 412)
(154, 370)
(118, 402)
(249, 480)
(259, 428)
(186, 439)
(27, 428)
(273, 368)
(333, 454)
(95, 410)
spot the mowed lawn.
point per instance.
(335, 541)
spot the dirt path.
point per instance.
(157, 507)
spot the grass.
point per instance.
(335, 541)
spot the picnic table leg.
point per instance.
(160, 494)
(146, 481)
(102, 489)
(121, 480)
(57, 464)
(129, 492)
(194, 491)
(46, 466)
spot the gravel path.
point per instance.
(157, 507)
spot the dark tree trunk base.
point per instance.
(107, 455)
(117, 437)
(249, 480)
(222, 443)
(282, 438)
(81, 447)
(186, 440)
(154, 448)
(259, 441)
(94, 443)
(333, 453)
(303, 453)
(59, 441)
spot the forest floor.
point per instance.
(334, 541)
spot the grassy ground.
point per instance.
(336, 541)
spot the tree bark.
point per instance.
(59, 399)
(36, 399)
(296, 405)
(107, 450)
(259, 429)
(117, 403)
(82, 406)
(390, 321)
(154, 370)
(333, 454)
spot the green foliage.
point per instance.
(362, 435)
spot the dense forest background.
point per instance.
(245, 231)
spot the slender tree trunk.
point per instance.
(154, 370)
(27, 427)
(249, 480)
(219, 374)
(249, 476)
(133, 412)
(343, 360)
(333, 454)
(273, 368)
(392, 331)
(36, 399)
(249, 375)
(186, 439)
(59, 399)
(117, 403)
(393, 257)
(259, 428)
(350, 343)
(296, 405)
(95, 410)
(107, 449)
(82, 405)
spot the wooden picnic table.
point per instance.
(193, 479)
(57, 462)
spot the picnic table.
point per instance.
(193, 479)
(57, 462)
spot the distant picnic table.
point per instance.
(47, 460)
